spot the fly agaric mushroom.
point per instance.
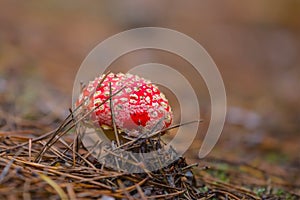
(138, 105)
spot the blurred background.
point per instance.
(255, 44)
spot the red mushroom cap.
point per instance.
(138, 107)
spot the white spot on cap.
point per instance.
(128, 90)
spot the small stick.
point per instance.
(26, 194)
(66, 122)
(29, 150)
(140, 191)
(7, 167)
(122, 187)
(71, 192)
(75, 142)
(51, 142)
(113, 115)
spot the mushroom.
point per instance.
(138, 105)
